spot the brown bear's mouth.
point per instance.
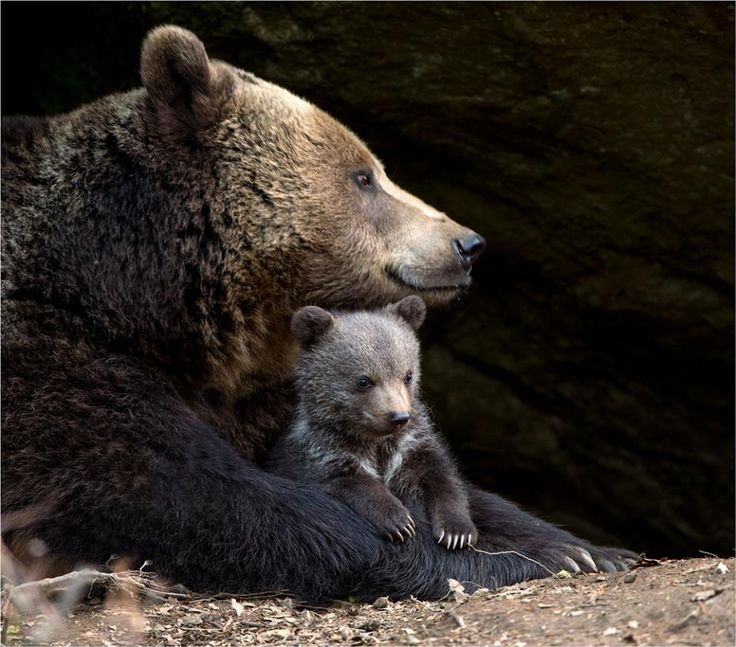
(406, 280)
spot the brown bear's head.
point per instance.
(299, 197)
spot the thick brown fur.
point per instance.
(155, 246)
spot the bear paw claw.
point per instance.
(594, 559)
(587, 559)
(453, 540)
(399, 530)
(571, 565)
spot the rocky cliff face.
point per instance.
(589, 374)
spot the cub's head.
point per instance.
(359, 372)
(293, 195)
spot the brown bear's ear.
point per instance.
(412, 309)
(185, 88)
(309, 324)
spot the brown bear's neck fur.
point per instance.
(106, 219)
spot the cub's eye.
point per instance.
(409, 377)
(364, 179)
(363, 382)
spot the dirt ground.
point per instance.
(688, 602)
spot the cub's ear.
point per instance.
(309, 324)
(185, 88)
(412, 309)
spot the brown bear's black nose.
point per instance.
(400, 418)
(469, 248)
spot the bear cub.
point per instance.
(361, 432)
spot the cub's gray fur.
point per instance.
(361, 431)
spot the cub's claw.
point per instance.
(455, 532)
(401, 531)
(394, 522)
(451, 541)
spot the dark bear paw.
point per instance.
(590, 559)
(454, 530)
(395, 523)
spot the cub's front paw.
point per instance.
(454, 530)
(395, 522)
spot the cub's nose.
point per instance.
(469, 248)
(400, 418)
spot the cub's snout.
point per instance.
(399, 419)
(389, 407)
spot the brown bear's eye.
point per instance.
(363, 382)
(409, 377)
(364, 179)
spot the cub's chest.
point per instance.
(387, 461)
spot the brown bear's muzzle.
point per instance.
(469, 248)
(436, 253)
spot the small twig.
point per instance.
(51, 585)
(24, 595)
(514, 552)
(143, 565)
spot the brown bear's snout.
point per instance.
(399, 419)
(469, 248)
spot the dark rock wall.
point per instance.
(589, 375)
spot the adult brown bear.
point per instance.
(155, 244)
